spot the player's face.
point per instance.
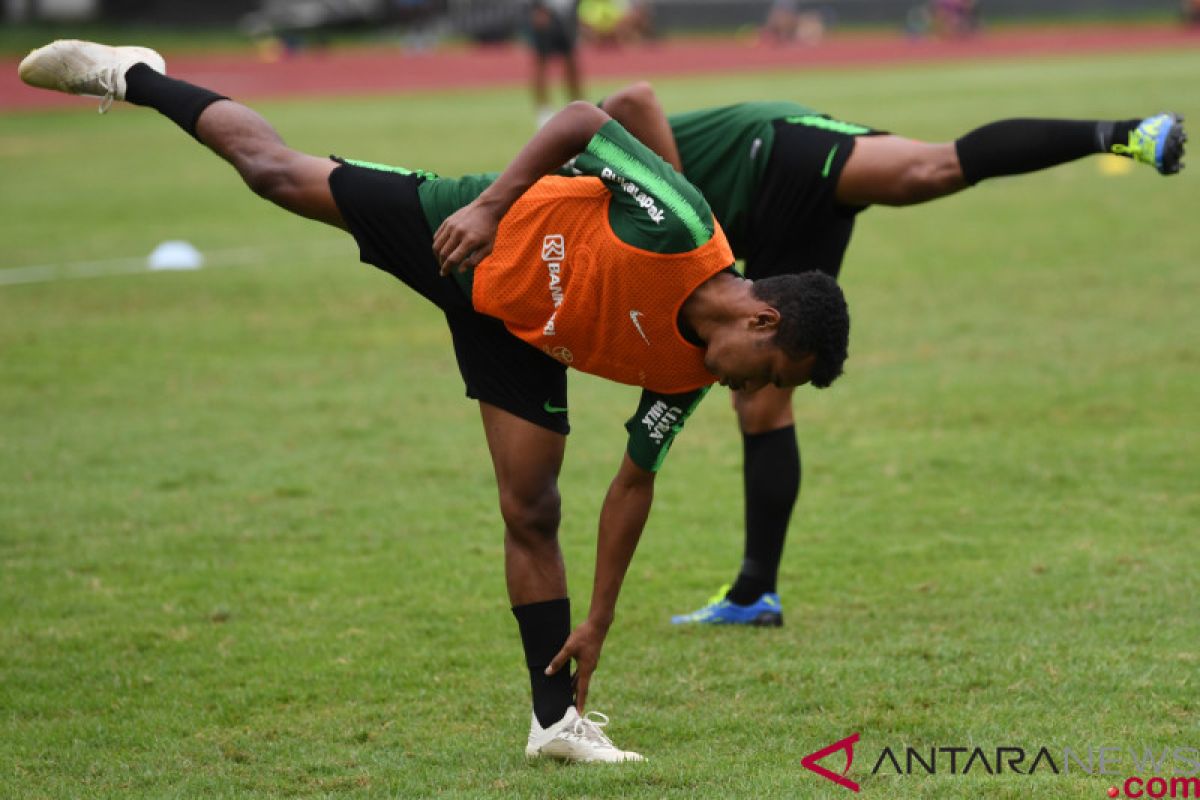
(752, 363)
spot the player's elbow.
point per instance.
(586, 113)
(577, 123)
(931, 173)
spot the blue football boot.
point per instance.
(1157, 141)
(765, 612)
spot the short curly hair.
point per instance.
(813, 318)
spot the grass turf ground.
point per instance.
(247, 523)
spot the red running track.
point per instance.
(379, 71)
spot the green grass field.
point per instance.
(248, 534)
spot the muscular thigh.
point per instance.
(526, 457)
(894, 171)
(307, 192)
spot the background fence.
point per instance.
(490, 18)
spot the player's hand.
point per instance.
(465, 238)
(584, 646)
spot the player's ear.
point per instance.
(765, 320)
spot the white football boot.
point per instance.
(77, 67)
(575, 738)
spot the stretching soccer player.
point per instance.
(787, 183)
(621, 272)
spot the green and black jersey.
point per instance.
(725, 151)
(770, 171)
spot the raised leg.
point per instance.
(292, 180)
(894, 171)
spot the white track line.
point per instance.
(133, 265)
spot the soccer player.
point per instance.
(621, 272)
(787, 183)
(554, 31)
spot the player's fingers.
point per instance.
(479, 254)
(444, 251)
(449, 233)
(581, 691)
(459, 257)
(558, 661)
(445, 267)
(439, 237)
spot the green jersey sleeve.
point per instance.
(658, 420)
(441, 197)
(653, 208)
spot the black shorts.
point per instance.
(383, 212)
(797, 224)
(558, 37)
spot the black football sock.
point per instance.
(179, 101)
(544, 630)
(1017, 146)
(771, 469)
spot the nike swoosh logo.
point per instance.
(554, 409)
(633, 317)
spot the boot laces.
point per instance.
(108, 82)
(588, 728)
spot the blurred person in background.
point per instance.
(787, 183)
(617, 22)
(787, 24)
(554, 33)
(953, 19)
(1191, 12)
(946, 19)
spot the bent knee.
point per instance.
(271, 171)
(935, 174)
(268, 177)
(531, 516)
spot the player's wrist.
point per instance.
(496, 201)
(601, 620)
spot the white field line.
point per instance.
(102, 268)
